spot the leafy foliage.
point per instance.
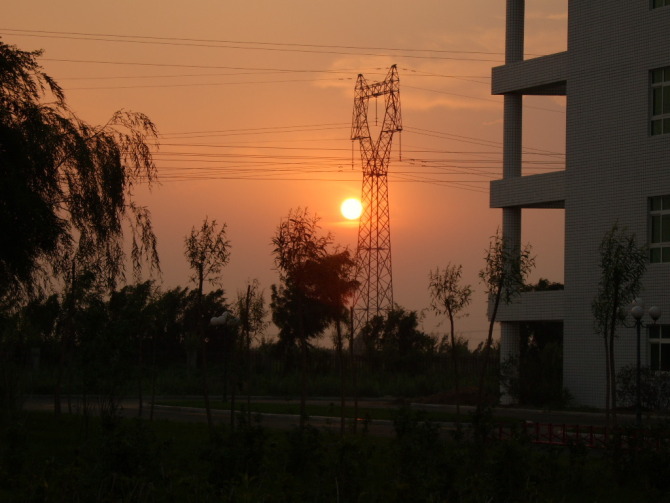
(448, 296)
(396, 338)
(296, 242)
(67, 185)
(543, 285)
(315, 285)
(315, 282)
(622, 264)
(250, 309)
(505, 269)
(654, 388)
(504, 274)
(207, 251)
(297, 316)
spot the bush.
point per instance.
(654, 388)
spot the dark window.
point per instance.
(659, 229)
(660, 100)
(659, 347)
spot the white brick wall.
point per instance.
(613, 166)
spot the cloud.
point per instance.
(493, 122)
(417, 99)
(543, 16)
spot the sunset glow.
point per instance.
(255, 119)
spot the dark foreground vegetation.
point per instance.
(75, 458)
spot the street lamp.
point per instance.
(227, 320)
(637, 311)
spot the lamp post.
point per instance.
(227, 320)
(637, 311)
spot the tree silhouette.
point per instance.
(337, 285)
(396, 336)
(622, 264)
(207, 251)
(313, 285)
(66, 186)
(504, 274)
(448, 296)
(250, 310)
(81, 297)
(131, 321)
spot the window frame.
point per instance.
(659, 97)
(658, 229)
(663, 339)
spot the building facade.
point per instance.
(615, 75)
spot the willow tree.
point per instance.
(66, 191)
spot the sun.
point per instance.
(351, 208)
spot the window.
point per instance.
(659, 3)
(659, 347)
(660, 101)
(659, 229)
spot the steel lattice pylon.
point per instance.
(373, 253)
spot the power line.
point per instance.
(266, 46)
(494, 100)
(268, 129)
(260, 71)
(200, 84)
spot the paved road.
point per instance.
(129, 407)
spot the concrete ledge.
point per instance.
(546, 75)
(546, 190)
(533, 306)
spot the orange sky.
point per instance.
(254, 99)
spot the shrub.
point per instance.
(654, 388)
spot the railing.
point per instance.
(595, 437)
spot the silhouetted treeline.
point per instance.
(142, 341)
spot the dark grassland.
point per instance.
(109, 459)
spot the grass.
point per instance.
(73, 458)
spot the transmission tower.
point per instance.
(373, 253)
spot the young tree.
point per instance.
(622, 264)
(66, 186)
(296, 307)
(207, 251)
(338, 285)
(165, 319)
(22, 335)
(130, 320)
(504, 274)
(250, 310)
(448, 296)
(81, 294)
